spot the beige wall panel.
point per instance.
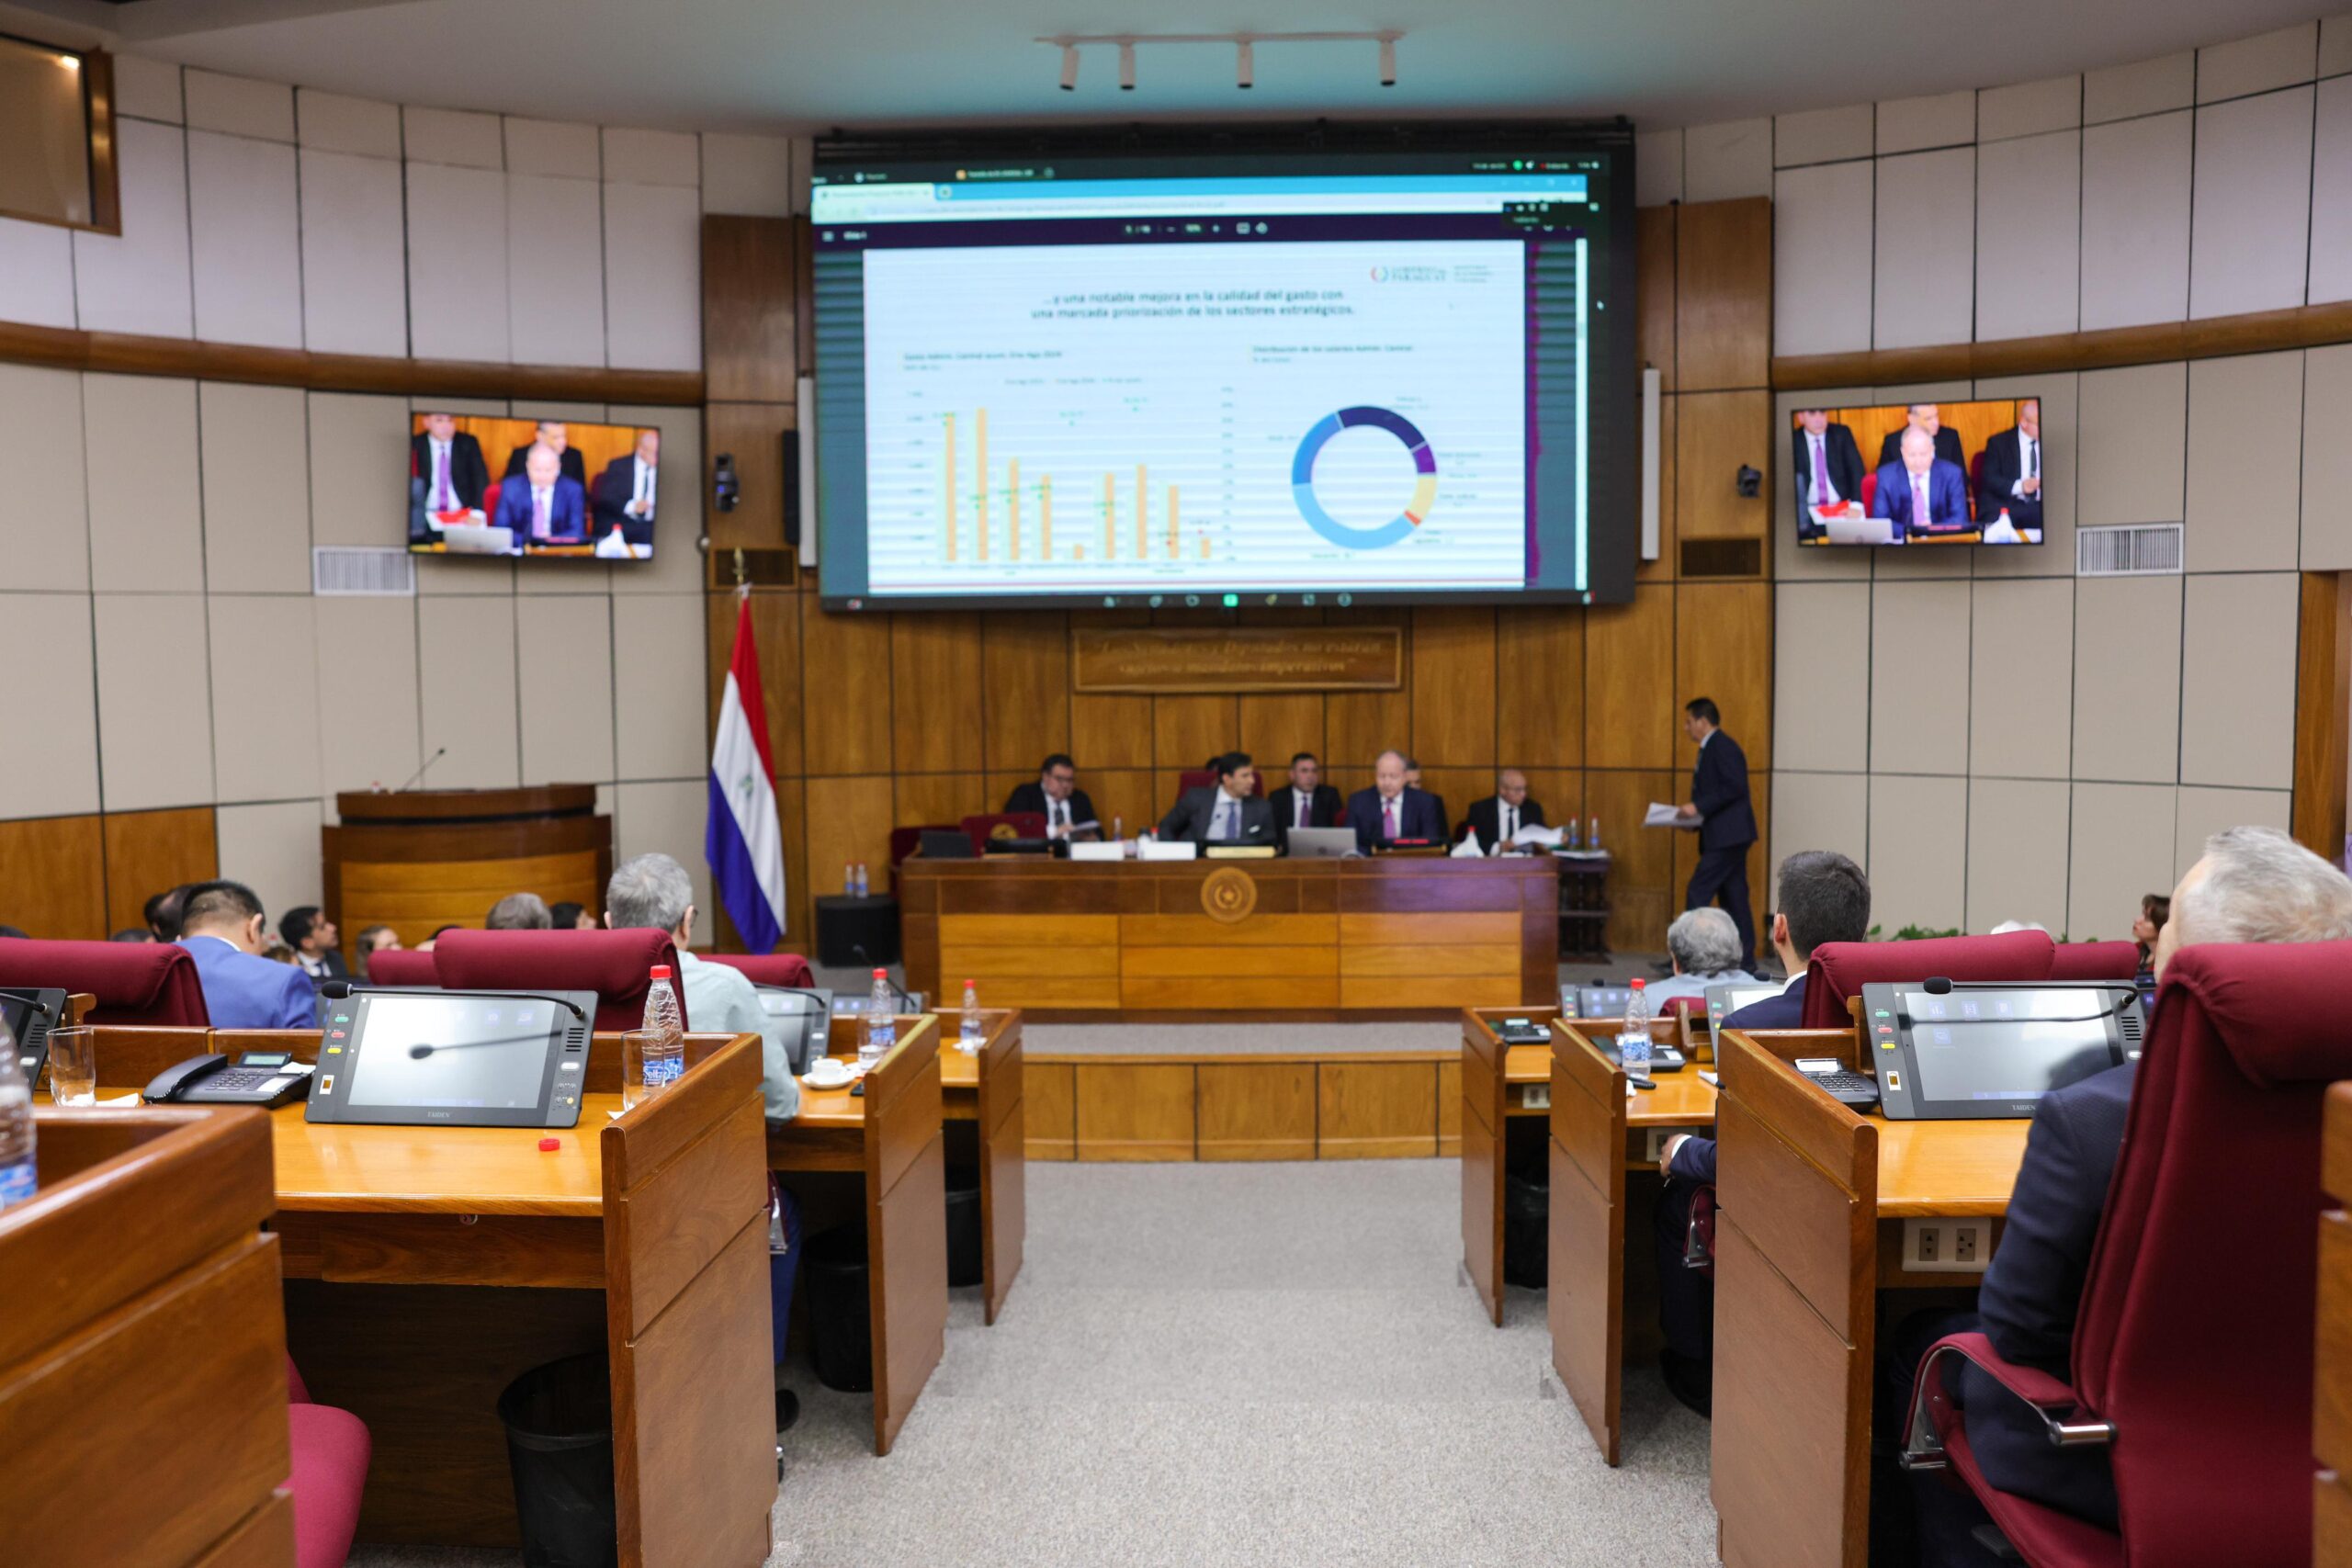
(1940, 119)
(154, 710)
(246, 240)
(2136, 221)
(658, 668)
(1918, 863)
(2258, 64)
(1729, 160)
(45, 530)
(2237, 694)
(2028, 108)
(51, 633)
(1924, 252)
(1821, 275)
(2201, 813)
(564, 682)
(366, 663)
(2331, 257)
(2127, 684)
(2121, 848)
(2131, 443)
(1821, 675)
(138, 281)
(669, 818)
(2143, 86)
(273, 849)
(465, 657)
(2017, 852)
(140, 446)
(256, 488)
(1817, 811)
(1919, 637)
(337, 124)
(2021, 657)
(266, 708)
(1822, 136)
(2245, 427)
(2028, 223)
(2252, 214)
(2327, 460)
(355, 442)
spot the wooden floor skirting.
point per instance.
(1310, 1105)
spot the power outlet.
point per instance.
(1947, 1246)
(1653, 1145)
(1536, 1096)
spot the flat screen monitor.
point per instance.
(1993, 1050)
(1204, 369)
(482, 485)
(1732, 995)
(1919, 474)
(28, 1016)
(455, 1058)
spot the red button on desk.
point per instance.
(549, 1146)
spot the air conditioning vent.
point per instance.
(347, 569)
(2132, 550)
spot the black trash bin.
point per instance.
(965, 1264)
(558, 1421)
(841, 1334)
(1527, 1214)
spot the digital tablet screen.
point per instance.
(429, 1051)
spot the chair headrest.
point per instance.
(2094, 961)
(134, 982)
(405, 968)
(2278, 1006)
(1844, 967)
(613, 965)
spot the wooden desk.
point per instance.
(144, 1241)
(2332, 1371)
(1190, 940)
(891, 1134)
(426, 1267)
(984, 1088)
(1601, 1132)
(1813, 1198)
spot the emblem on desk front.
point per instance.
(1228, 895)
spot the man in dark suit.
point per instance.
(542, 505)
(1824, 898)
(1720, 809)
(2013, 471)
(1505, 812)
(313, 938)
(1056, 797)
(1413, 781)
(623, 494)
(1306, 801)
(1229, 811)
(1391, 809)
(1926, 417)
(1922, 493)
(1826, 466)
(553, 434)
(448, 463)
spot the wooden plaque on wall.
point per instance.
(1237, 658)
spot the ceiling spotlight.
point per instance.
(1388, 62)
(1127, 67)
(1069, 68)
(1244, 68)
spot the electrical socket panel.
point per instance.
(1536, 1096)
(1654, 1144)
(1947, 1246)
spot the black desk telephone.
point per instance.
(266, 1078)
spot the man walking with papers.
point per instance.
(1720, 809)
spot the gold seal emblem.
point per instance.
(1228, 895)
(1001, 832)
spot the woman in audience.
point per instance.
(373, 940)
(571, 917)
(1705, 945)
(2156, 908)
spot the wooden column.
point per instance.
(2323, 711)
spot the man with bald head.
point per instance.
(2013, 472)
(1505, 812)
(543, 506)
(1921, 493)
(1392, 810)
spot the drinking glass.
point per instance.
(74, 1065)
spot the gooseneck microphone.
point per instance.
(337, 990)
(417, 776)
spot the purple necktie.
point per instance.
(1918, 501)
(1820, 474)
(539, 514)
(1388, 813)
(1305, 802)
(441, 461)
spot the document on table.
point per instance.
(1668, 816)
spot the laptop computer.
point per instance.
(1322, 843)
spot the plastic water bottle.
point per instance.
(1634, 1041)
(849, 879)
(18, 1173)
(665, 1055)
(878, 1030)
(1592, 839)
(975, 1029)
(1572, 840)
(858, 886)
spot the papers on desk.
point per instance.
(1098, 849)
(1543, 838)
(1666, 817)
(1467, 849)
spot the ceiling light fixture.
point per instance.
(1127, 66)
(1245, 64)
(1388, 60)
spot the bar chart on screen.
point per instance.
(1287, 417)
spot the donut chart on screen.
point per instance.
(1401, 526)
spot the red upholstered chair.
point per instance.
(1840, 969)
(1975, 488)
(617, 966)
(1870, 489)
(135, 982)
(2210, 1212)
(1194, 778)
(406, 967)
(331, 1451)
(2094, 961)
(767, 968)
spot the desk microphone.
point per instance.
(417, 776)
(866, 958)
(1943, 986)
(32, 1000)
(337, 990)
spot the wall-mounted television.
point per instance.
(489, 486)
(1946, 473)
(1146, 366)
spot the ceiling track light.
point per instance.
(1388, 61)
(1069, 68)
(1127, 67)
(1244, 65)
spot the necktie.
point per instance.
(539, 514)
(448, 502)
(1303, 803)
(1388, 820)
(1232, 817)
(2032, 458)
(645, 485)
(1918, 501)
(1820, 475)
(1511, 822)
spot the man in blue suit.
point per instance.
(223, 929)
(543, 504)
(1389, 810)
(1922, 493)
(1725, 817)
(1824, 898)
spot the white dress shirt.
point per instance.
(1506, 820)
(641, 491)
(2029, 463)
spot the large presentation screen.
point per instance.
(1270, 376)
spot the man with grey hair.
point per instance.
(2252, 885)
(1704, 945)
(654, 891)
(519, 912)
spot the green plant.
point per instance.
(1916, 933)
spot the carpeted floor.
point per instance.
(1236, 1364)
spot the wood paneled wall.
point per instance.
(878, 720)
(81, 877)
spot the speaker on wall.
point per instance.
(801, 473)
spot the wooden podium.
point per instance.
(419, 859)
